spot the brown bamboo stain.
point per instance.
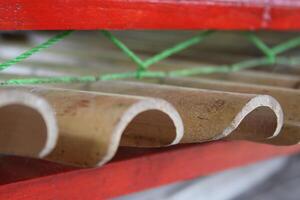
(214, 106)
(84, 103)
(120, 105)
(72, 108)
(218, 104)
(202, 118)
(69, 110)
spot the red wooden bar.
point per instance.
(149, 14)
(133, 170)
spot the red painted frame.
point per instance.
(149, 14)
(132, 170)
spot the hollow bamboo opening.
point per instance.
(251, 128)
(149, 128)
(28, 124)
(23, 130)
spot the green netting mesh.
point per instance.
(271, 56)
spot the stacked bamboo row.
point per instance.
(83, 124)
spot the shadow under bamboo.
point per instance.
(289, 135)
(92, 125)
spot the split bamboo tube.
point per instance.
(90, 125)
(207, 115)
(288, 98)
(28, 124)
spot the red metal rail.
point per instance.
(149, 14)
(131, 170)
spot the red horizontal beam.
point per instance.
(149, 14)
(138, 170)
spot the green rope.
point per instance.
(143, 66)
(272, 52)
(81, 79)
(124, 48)
(152, 74)
(160, 56)
(34, 50)
(295, 42)
(199, 70)
(262, 46)
(65, 79)
(177, 48)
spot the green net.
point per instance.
(143, 70)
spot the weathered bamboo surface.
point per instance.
(206, 114)
(288, 98)
(88, 121)
(90, 126)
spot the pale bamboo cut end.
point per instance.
(144, 124)
(262, 115)
(28, 124)
(288, 99)
(91, 125)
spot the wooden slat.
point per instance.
(149, 14)
(134, 170)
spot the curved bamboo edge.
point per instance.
(254, 103)
(135, 110)
(91, 125)
(40, 105)
(288, 99)
(222, 113)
